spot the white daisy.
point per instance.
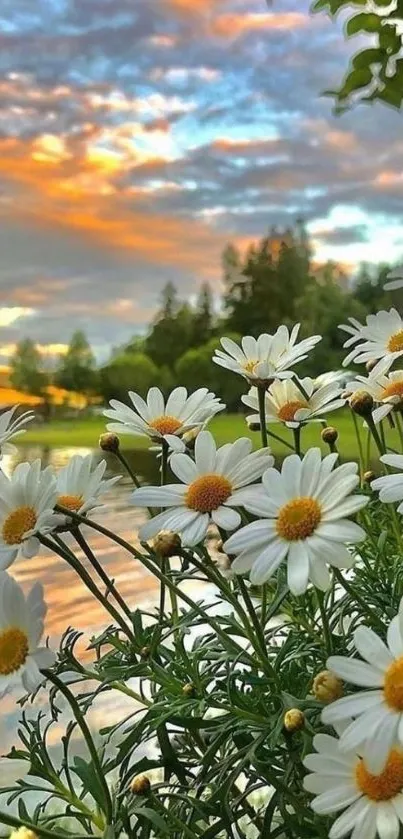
(396, 279)
(372, 804)
(79, 486)
(158, 420)
(385, 388)
(378, 711)
(285, 401)
(302, 518)
(21, 629)
(381, 338)
(10, 428)
(212, 485)
(266, 358)
(27, 500)
(391, 486)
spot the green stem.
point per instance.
(297, 440)
(253, 616)
(354, 595)
(375, 433)
(128, 468)
(79, 716)
(57, 545)
(261, 393)
(325, 623)
(359, 442)
(156, 572)
(99, 569)
(280, 440)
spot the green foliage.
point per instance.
(27, 369)
(77, 367)
(375, 72)
(129, 371)
(196, 369)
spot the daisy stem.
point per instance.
(110, 586)
(79, 717)
(280, 440)
(297, 440)
(359, 442)
(379, 442)
(153, 569)
(368, 450)
(261, 394)
(128, 468)
(57, 545)
(256, 624)
(327, 634)
(352, 593)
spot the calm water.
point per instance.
(69, 602)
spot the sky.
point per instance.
(138, 137)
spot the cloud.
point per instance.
(137, 139)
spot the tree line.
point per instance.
(275, 281)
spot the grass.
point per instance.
(226, 428)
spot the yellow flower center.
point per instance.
(14, 648)
(386, 785)
(250, 366)
(287, 411)
(395, 343)
(207, 493)
(394, 389)
(298, 519)
(72, 502)
(393, 685)
(166, 424)
(17, 523)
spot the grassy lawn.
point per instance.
(226, 428)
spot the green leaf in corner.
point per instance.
(87, 775)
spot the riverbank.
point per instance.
(226, 428)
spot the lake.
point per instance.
(69, 602)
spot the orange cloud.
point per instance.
(88, 204)
(234, 25)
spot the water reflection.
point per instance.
(69, 602)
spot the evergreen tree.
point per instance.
(27, 369)
(203, 316)
(77, 367)
(172, 331)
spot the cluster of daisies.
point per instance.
(29, 501)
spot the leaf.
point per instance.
(87, 775)
(152, 817)
(355, 80)
(363, 23)
(367, 57)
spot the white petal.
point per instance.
(196, 530)
(395, 641)
(297, 567)
(184, 468)
(268, 562)
(351, 706)
(352, 816)
(366, 827)
(170, 495)
(355, 671)
(387, 822)
(226, 518)
(205, 453)
(371, 648)
(252, 535)
(381, 740)
(360, 730)
(335, 799)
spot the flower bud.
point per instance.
(362, 403)
(327, 687)
(140, 785)
(294, 720)
(329, 435)
(189, 690)
(368, 476)
(145, 652)
(109, 442)
(254, 425)
(371, 364)
(167, 543)
(23, 833)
